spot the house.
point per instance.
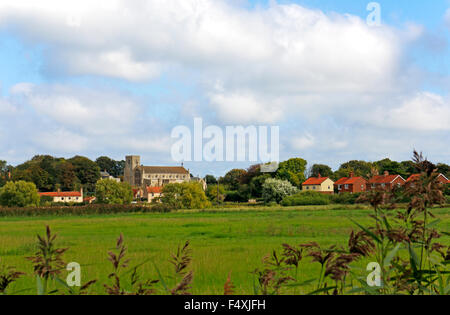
(151, 193)
(350, 184)
(138, 175)
(441, 179)
(105, 175)
(64, 196)
(89, 200)
(385, 182)
(320, 184)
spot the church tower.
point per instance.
(131, 163)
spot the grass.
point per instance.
(223, 241)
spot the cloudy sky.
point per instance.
(114, 77)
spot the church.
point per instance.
(138, 175)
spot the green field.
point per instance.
(223, 241)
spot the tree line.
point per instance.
(240, 185)
(49, 173)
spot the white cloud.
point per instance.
(86, 110)
(284, 46)
(243, 107)
(302, 143)
(424, 112)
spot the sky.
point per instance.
(114, 77)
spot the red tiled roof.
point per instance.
(315, 181)
(413, 177)
(154, 190)
(354, 180)
(383, 179)
(89, 198)
(61, 194)
(341, 181)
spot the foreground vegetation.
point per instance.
(222, 241)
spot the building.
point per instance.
(65, 196)
(320, 184)
(350, 184)
(138, 175)
(151, 193)
(441, 179)
(201, 181)
(105, 175)
(385, 182)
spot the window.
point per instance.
(346, 186)
(339, 187)
(383, 185)
(373, 185)
(314, 187)
(362, 187)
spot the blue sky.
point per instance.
(114, 77)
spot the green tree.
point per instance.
(210, 180)
(276, 189)
(323, 170)
(185, 196)
(359, 168)
(444, 169)
(215, 193)
(3, 173)
(87, 172)
(19, 194)
(111, 192)
(233, 178)
(292, 170)
(67, 178)
(114, 168)
(256, 185)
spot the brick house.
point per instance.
(441, 179)
(320, 184)
(385, 182)
(350, 184)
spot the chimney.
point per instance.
(81, 191)
(352, 175)
(386, 174)
(320, 176)
(59, 190)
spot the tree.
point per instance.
(444, 169)
(233, 178)
(87, 172)
(276, 190)
(19, 194)
(256, 185)
(3, 173)
(323, 170)
(114, 168)
(358, 168)
(292, 170)
(185, 196)
(109, 191)
(215, 193)
(210, 180)
(67, 178)
(392, 167)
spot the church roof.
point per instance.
(165, 170)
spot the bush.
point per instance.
(274, 190)
(185, 196)
(308, 198)
(94, 209)
(111, 192)
(160, 207)
(19, 194)
(345, 198)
